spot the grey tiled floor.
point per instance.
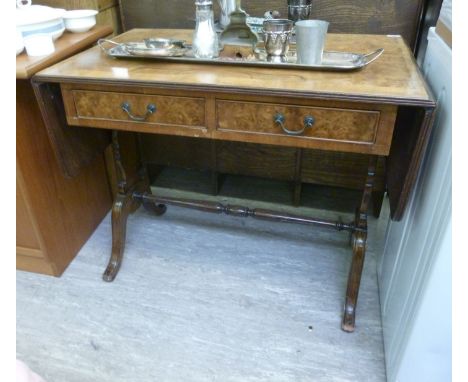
(204, 297)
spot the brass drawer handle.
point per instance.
(150, 109)
(280, 119)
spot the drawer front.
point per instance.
(106, 107)
(303, 126)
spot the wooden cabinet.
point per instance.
(55, 215)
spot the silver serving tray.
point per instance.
(332, 61)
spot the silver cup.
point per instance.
(299, 9)
(277, 34)
(310, 40)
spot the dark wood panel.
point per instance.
(231, 157)
(340, 169)
(345, 16)
(256, 160)
(190, 153)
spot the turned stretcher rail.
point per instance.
(263, 214)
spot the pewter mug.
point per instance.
(276, 34)
(310, 40)
(299, 9)
(227, 7)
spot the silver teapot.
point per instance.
(227, 7)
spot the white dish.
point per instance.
(80, 20)
(36, 19)
(39, 45)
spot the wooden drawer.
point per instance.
(331, 128)
(172, 114)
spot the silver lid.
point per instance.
(203, 2)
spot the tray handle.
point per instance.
(101, 41)
(368, 58)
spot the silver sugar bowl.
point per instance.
(277, 34)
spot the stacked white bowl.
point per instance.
(37, 19)
(80, 20)
(36, 27)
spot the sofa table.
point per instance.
(384, 110)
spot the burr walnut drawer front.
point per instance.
(330, 128)
(138, 112)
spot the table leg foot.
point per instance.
(354, 280)
(156, 209)
(123, 205)
(120, 212)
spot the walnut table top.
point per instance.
(392, 78)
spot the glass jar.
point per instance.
(205, 40)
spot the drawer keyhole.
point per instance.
(150, 109)
(280, 119)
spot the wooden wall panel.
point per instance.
(345, 16)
